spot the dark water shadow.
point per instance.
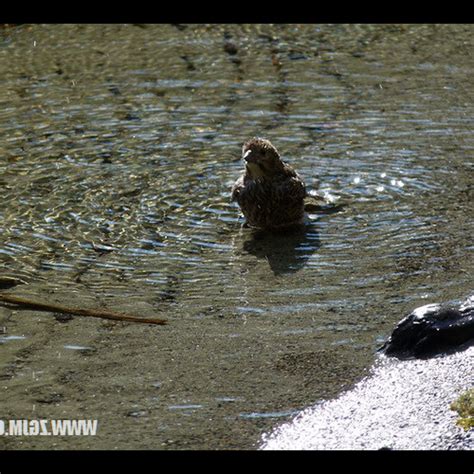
(286, 251)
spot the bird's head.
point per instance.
(261, 158)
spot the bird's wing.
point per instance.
(295, 188)
(236, 188)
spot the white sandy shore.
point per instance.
(401, 405)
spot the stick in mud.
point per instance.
(94, 313)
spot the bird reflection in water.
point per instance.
(286, 251)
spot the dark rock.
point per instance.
(7, 282)
(189, 64)
(432, 330)
(114, 90)
(63, 318)
(230, 48)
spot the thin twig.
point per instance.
(94, 313)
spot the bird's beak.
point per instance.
(249, 157)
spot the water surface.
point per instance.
(118, 148)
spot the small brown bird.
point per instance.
(270, 192)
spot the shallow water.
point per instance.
(119, 145)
